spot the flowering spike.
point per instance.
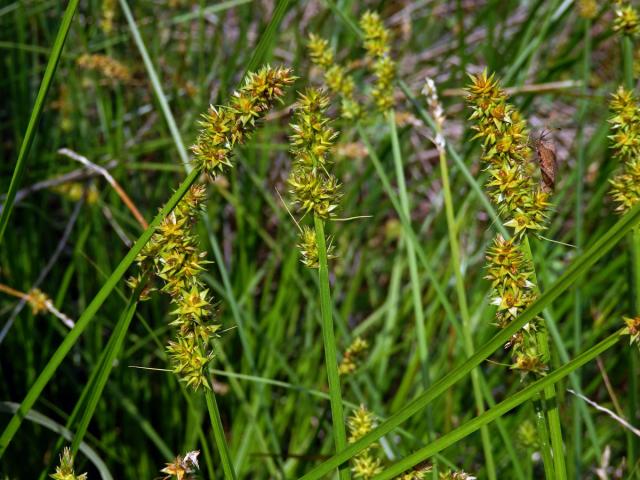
(226, 126)
(377, 41)
(65, 471)
(365, 465)
(625, 124)
(314, 189)
(353, 356)
(335, 76)
(506, 152)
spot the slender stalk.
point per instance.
(632, 441)
(411, 253)
(218, 435)
(87, 316)
(634, 367)
(464, 308)
(543, 437)
(30, 134)
(579, 241)
(471, 180)
(577, 268)
(549, 397)
(627, 61)
(330, 349)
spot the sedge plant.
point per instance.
(525, 203)
(316, 193)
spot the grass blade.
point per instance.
(416, 294)
(105, 366)
(218, 434)
(29, 135)
(330, 350)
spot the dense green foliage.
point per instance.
(402, 292)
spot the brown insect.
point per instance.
(547, 160)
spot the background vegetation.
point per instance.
(137, 120)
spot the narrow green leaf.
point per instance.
(330, 349)
(104, 367)
(219, 437)
(29, 135)
(260, 51)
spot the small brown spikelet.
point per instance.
(419, 472)
(38, 301)
(452, 475)
(108, 67)
(529, 363)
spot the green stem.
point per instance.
(218, 435)
(411, 253)
(408, 231)
(464, 308)
(543, 437)
(632, 440)
(87, 316)
(549, 397)
(627, 61)
(330, 349)
(579, 240)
